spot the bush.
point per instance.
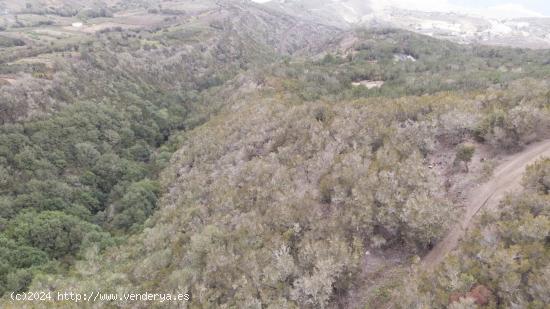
(95, 12)
(464, 154)
(54, 232)
(16, 262)
(537, 177)
(19, 280)
(137, 204)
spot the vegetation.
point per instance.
(464, 153)
(507, 254)
(231, 160)
(81, 150)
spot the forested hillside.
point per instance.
(85, 136)
(256, 160)
(504, 262)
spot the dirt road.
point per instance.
(506, 178)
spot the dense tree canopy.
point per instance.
(254, 166)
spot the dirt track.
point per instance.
(506, 178)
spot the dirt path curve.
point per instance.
(506, 178)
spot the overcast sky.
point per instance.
(495, 8)
(539, 6)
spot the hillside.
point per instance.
(88, 124)
(458, 26)
(253, 157)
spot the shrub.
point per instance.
(53, 232)
(137, 204)
(464, 153)
(537, 177)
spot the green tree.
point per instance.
(54, 232)
(86, 154)
(136, 205)
(464, 153)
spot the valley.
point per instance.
(289, 154)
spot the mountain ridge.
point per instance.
(460, 27)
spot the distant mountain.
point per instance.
(341, 13)
(461, 27)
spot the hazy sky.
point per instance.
(539, 6)
(495, 8)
